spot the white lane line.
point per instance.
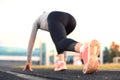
(26, 76)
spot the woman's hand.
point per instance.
(28, 66)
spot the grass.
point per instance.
(110, 67)
(73, 67)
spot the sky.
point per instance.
(96, 19)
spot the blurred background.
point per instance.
(96, 19)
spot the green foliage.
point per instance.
(109, 54)
(105, 55)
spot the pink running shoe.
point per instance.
(60, 65)
(90, 57)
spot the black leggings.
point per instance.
(60, 24)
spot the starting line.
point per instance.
(25, 76)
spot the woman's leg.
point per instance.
(61, 24)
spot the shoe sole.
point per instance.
(93, 53)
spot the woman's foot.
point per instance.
(89, 56)
(60, 66)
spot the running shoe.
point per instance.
(60, 65)
(90, 57)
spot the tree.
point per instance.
(105, 55)
(109, 54)
(114, 51)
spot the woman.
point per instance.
(60, 24)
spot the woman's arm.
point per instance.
(31, 43)
(30, 48)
